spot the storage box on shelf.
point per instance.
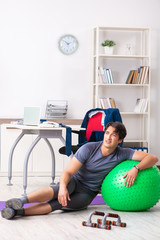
(112, 78)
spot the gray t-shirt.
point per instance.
(96, 166)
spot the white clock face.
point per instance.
(68, 44)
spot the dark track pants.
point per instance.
(80, 196)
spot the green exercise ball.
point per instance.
(142, 195)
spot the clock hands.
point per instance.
(66, 42)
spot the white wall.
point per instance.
(33, 70)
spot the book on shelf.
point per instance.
(105, 75)
(110, 74)
(135, 75)
(138, 76)
(101, 76)
(107, 103)
(141, 69)
(130, 77)
(144, 78)
(112, 101)
(141, 105)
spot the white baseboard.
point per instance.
(30, 174)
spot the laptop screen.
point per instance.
(32, 116)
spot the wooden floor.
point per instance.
(67, 226)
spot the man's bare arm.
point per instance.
(146, 160)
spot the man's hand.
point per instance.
(130, 177)
(63, 196)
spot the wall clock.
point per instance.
(68, 44)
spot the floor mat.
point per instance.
(98, 200)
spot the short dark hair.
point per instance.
(119, 128)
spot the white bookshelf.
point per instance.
(121, 62)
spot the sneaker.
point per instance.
(8, 213)
(14, 203)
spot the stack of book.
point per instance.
(139, 76)
(56, 109)
(141, 105)
(105, 75)
(107, 103)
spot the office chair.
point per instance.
(94, 123)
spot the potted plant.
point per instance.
(108, 46)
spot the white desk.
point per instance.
(42, 132)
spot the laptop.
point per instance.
(31, 116)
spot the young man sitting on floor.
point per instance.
(82, 179)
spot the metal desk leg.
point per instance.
(11, 156)
(26, 163)
(53, 160)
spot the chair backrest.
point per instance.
(94, 123)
